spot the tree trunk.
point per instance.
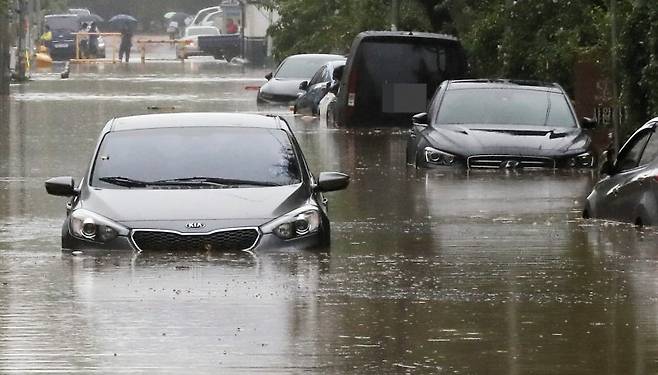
(4, 49)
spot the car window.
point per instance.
(70, 23)
(505, 106)
(318, 76)
(629, 156)
(650, 150)
(301, 67)
(264, 155)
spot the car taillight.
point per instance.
(351, 87)
(351, 95)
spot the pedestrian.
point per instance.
(46, 38)
(231, 27)
(93, 40)
(126, 43)
(173, 30)
(83, 40)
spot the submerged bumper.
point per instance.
(124, 243)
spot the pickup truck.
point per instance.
(226, 45)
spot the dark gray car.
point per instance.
(629, 190)
(196, 182)
(500, 124)
(282, 86)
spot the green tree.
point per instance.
(638, 47)
(307, 26)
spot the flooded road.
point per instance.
(428, 272)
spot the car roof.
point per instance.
(403, 34)
(504, 84)
(195, 119)
(315, 56)
(67, 15)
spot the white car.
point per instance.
(191, 40)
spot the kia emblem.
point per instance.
(195, 225)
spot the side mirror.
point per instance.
(588, 123)
(303, 85)
(61, 186)
(268, 76)
(337, 75)
(607, 168)
(332, 181)
(419, 119)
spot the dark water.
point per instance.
(428, 272)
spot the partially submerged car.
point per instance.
(325, 80)
(391, 75)
(282, 86)
(500, 123)
(63, 26)
(628, 190)
(197, 182)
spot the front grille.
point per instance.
(225, 240)
(509, 161)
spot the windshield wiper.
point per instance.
(123, 181)
(213, 181)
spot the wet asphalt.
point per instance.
(429, 272)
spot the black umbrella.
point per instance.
(121, 21)
(88, 18)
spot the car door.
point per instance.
(621, 189)
(318, 88)
(305, 102)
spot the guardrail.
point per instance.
(79, 60)
(142, 43)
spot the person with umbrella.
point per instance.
(126, 43)
(93, 40)
(125, 24)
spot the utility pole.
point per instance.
(613, 56)
(4, 48)
(395, 15)
(21, 46)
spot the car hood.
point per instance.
(467, 140)
(282, 87)
(172, 209)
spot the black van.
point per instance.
(391, 76)
(63, 27)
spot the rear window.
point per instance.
(398, 76)
(63, 23)
(505, 106)
(262, 155)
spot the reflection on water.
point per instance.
(429, 271)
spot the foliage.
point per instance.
(330, 25)
(534, 39)
(638, 54)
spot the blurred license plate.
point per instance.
(61, 45)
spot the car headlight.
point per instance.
(582, 160)
(90, 226)
(294, 224)
(438, 157)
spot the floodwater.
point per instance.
(428, 272)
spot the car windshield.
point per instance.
(134, 158)
(63, 23)
(505, 106)
(194, 31)
(302, 67)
